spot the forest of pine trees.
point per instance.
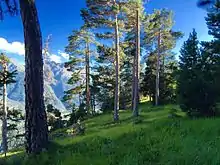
(120, 55)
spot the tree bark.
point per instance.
(87, 77)
(36, 130)
(116, 101)
(137, 65)
(5, 113)
(157, 90)
(80, 102)
(93, 103)
(133, 82)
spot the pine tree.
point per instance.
(209, 64)
(128, 69)
(148, 84)
(167, 82)
(159, 34)
(104, 77)
(108, 14)
(134, 11)
(95, 90)
(168, 79)
(126, 76)
(79, 48)
(189, 81)
(6, 78)
(198, 78)
(213, 20)
(205, 4)
(73, 119)
(137, 8)
(54, 118)
(15, 129)
(36, 121)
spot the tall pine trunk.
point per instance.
(136, 67)
(87, 77)
(133, 82)
(157, 89)
(5, 113)
(36, 130)
(117, 79)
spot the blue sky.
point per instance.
(59, 19)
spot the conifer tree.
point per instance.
(79, 49)
(160, 37)
(36, 119)
(213, 20)
(188, 81)
(104, 77)
(108, 15)
(148, 84)
(6, 78)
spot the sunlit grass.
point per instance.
(11, 153)
(156, 137)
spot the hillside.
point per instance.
(159, 136)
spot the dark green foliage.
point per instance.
(80, 51)
(15, 128)
(10, 118)
(198, 83)
(160, 40)
(148, 84)
(127, 71)
(104, 78)
(100, 15)
(6, 76)
(167, 79)
(161, 22)
(205, 3)
(79, 113)
(9, 78)
(198, 78)
(77, 61)
(73, 118)
(54, 118)
(126, 84)
(189, 80)
(213, 20)
(105, 96)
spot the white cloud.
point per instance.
(55, 58)
(14, 47)
(63, 54)
(18, 48)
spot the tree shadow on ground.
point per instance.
(89, 150)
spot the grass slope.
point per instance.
(154, 139)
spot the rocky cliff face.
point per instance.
(55, 83)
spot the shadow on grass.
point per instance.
(98, 150)
(91, 146)
(13, 158)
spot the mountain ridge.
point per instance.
(55, 83)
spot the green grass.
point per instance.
(156, 139)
